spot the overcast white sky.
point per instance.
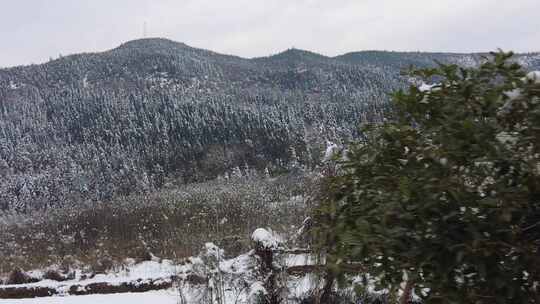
(31, 31)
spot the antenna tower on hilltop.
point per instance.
(144, 29)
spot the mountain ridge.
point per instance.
(93, 126)
(145, 43)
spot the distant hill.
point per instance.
(90, 126)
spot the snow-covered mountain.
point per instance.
(95, 125)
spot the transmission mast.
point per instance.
(144, 29)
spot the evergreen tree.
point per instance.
(446, 195)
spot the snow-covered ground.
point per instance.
(144, 271)
(209, 275)
(150, 297)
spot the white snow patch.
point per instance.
(256, 290)
(301, 260)
(266, 238)
(424, 87)
(213, 251)
(304, 286)
(131, 272)
(331, 150)
(162, 297)
(514, 94)
(534, 76)
(85, 81)
(239, 265)
(13, 85)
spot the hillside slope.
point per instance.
(89, 127)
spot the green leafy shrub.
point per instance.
(446, 194)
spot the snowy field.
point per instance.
(151, 297)
(204, 277)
